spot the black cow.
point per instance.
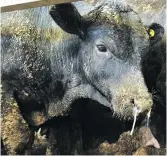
(154, 70)
(101, 62)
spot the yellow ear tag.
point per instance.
(151, 32)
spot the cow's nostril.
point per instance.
(132, 101)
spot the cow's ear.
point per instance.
(68, 18)
(156, 32)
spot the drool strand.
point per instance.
(135, 113)
(148, 117)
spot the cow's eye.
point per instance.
(101, 48)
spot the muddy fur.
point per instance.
(123, 105)
(14, 130)
(116, 15)
(23, 24)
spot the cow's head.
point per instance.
(114, 41)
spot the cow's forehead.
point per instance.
(114, 32)
(104, 31)
(119, 16)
